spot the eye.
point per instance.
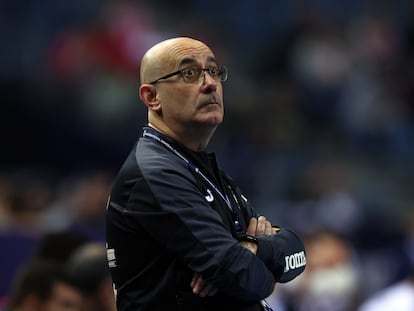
(190, 72)
(213, 71)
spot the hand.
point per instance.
(257, 226)
(260, 226)
(201, 287)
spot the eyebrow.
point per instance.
(190, 60)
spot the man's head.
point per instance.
(43, 286)
(180, 104)
(88, 269)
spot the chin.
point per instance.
(212, 117)
(216, 118)
(212, 121)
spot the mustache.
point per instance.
(211, 100)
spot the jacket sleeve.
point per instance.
(284, 253)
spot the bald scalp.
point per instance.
(161, 56)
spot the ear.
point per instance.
(148, 94)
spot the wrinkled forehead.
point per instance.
(188, 53)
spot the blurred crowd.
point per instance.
(318, 131)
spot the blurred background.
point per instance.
(318, 131)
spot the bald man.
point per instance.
(180, 234)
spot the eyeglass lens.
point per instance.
(195, 74)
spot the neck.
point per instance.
(193, 139)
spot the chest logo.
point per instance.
(209, 197)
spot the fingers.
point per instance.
(251, 229)
(261, 225)
(264, 227)
(202, 288)
(194, 281)
(208, 290)
(268, 228)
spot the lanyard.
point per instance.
(154, 135)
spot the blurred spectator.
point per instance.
(325, 200)
(99, 64)
(88, 268)
(320, 64)
(80, 207)
(41, 286)
(53, 247)
(26, 195)
(369, 110)
(330, 281)
(58, 247)
(113, 41)
(398, 296)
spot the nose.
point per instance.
(209, 84)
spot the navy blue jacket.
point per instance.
(165, 221)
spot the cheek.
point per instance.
(182, 99)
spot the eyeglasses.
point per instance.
(195, 74)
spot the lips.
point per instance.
(210, 103)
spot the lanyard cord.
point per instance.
(156, 137)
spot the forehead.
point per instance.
(188, 53)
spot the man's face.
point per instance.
(64, 298)
(191, 104)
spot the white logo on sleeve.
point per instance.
(295, 261)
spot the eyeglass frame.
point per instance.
(181, 71)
